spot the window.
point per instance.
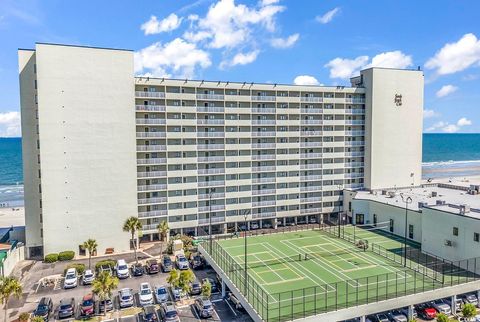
(391, 225)
(455, 231)
(476, 237)
(410, 231)
(375, 220)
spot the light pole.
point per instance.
(245, 215)
(407, 201)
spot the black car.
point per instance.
(166, 263)
(149, 313)
(152, 266)
(212, 283)
(195, 288)
(196, 261)
(137, 269)
(44, 308)
(66, 308)
(109, 304)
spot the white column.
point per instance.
(248, 225)
(225, 229)
(284, 219)
(362, 318)
(261, 224)
(295, 220)
(478, 297)
(224, 289)
(410, 312)
(275, 224)
(452, 304)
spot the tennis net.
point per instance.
(274, 261)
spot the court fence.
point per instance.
(416, 277)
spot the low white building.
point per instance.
(443, 217)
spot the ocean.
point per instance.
(444, 155)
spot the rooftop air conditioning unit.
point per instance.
(422, 204)
(448, 243)
(434, 193)
(384, 192)
(440, 202)
(464, 209)
(391, 194)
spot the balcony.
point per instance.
(203, 221)
(211, 159)
(150, 108)
(311, 210)
(355, 111)
(311, 166)
(354, 143)
(354, 185)
(155, 213)
(212, 208)
(311, 199)
(152, 200)
(152, 187)
(262, 110)
(151, 121)
(312, 122)
(216, 195)
(355, 100)
(151, 148)
(311, 99)
(263, 192)
(354, 154)
(263, 98)
(150, 94)
(313, 177)
(151, 134)
(150, 227)
(215, 183)
(311, 144)
(264, 215)
(263, 157)
(210, 134)
(354, 175)
(151, 174)
(311, 133)
(311, 155)
(354, 122)
(354, 164)
(263, 169)
(264, 122)
(263, 145)
(263, 203)
(355, 133)
(211, 121)
(210, 109)
(311, 110)
(211, 146)
(269, 133)
(152, 161)
(211, 171)
(217, 97)
(263, 180)
(311, 188)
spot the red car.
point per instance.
(426, 312)
(87, 308)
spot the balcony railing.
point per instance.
(214, 109)
(311, 188)
(354, 143)
(355, 133)
(211, 171)
(262, 110)
(311, 110)
(354, 122)
(311, 155)
(211, 183)
(263, 98)
(313, 177)
(152, 161)
(354, 154)
(203, 221)
(210, 134)
(210, 97)
(210, 146)
(150, 108)
(263, 203)
(354, 175)
(311, 144)
(356, 111)
(311, 199)
(263, 145)
(152, 200)
(216, 195)
(154, 213)
(355, 100)
(212, 208)
(269, 133)
(151, 121)
(354, 164)
(151, 134)
(151, 147)
(311, 166)
(311, 99)
(263, 192)
(312, 122)
(354, 185)
(264, 215)
(150, 94)
(211, 159)
(152, 187)
(310, 210)
(151, 174)
(311, 133)
(211, 121)
(263, 180)
(263, 157)
(266, 122)
(263, 169)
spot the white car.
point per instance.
(254, 225)
(125, 297)
(182, 262)
(145, 295)
(88, 277)
(442, 307)
(71, 278)
(470, 298)
(122, 269)
(161, 294)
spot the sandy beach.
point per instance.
(12, 217)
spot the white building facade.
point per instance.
(101, 145)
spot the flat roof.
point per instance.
(81, 46)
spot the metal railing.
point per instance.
(151, 121)
(210, 97)
(150, 94)
(150, 108)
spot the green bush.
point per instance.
(24, 317)
(66, 255)
(442, 318)
(109, 262)
(51, 258)
(79, 267)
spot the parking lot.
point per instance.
(223, 310)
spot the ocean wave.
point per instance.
(451, 163)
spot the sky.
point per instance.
(273, 41)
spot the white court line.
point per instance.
(270, 269)
(236, 246)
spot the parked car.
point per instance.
(235, 302)
(122, 269)
(382, 317)
(267, 225)
(105, 305)
(397, 316)
(87, 307)
(404, 311)
(204, 307)
(88, 277)
(125, 297)
(426, 312)
(168, 312)
(66, 308)
(149, 313)
(242, 227)
(145, 295)
(312, 220)
(279, 223)
(167, 265)
(301, 221)
(105, 268)
(137, 269)
(442, 307)
(254, 225)
(458, 303)
(152, 266)
(212, 283)
(161, 294)
(195, 288)
(469, 298)
(44, 308)
(176, 293)
(181, 262)
(196, 261)
(71, 279)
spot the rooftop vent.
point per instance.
(422, 204)
(464, 209)
(440, 202)
(434, 193)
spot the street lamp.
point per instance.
(407, 201)
(246, 212)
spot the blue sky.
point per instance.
(278, 41)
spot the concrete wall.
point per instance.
(13, 257)
(393, 134)
(30, 151)
(87, 131)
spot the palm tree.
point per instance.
(186, 277)
(173, 278)
(91, 246)
(206, 289)
(132, 225)
(103, 285)
(9, 286)
(469, 311)
(163, 230)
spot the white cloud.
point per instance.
(241, 59)
(178, 57)
(456, 56)
(464, 122)
(153, 26)
(269, 2)
(10, 124)
(446, 90)
(450, 128)
(284, 42)
(328, 16)
(345, 68)
(306, 80)
(429, 114)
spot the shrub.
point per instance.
(51, 258)
(442, 318)
(66, 255)
(24, 317)
(79, 267)
(108, 262)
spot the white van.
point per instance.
(122, 269)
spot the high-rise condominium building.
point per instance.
(101, 145)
